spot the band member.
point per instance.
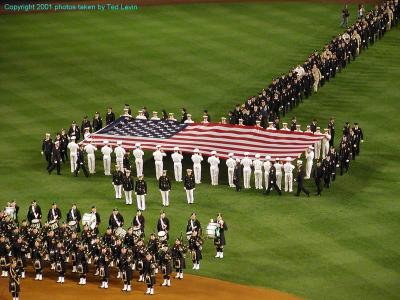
(14, 283)
(197, 159)
(195, 247)
(82, 266)
(193, 224)
(138, 154)
(54, 213)
(80, 162)
(230, 163)
(246, 163)
(237, 175)
(127, 162)
(106, 151)
(359, 137)
(288, 168)
(119, 155)
(189, 186)
(74, 215)
(149, 273)
(117, 179)
(98, 220)
(177, 160)
(73, 152)
(219, 240)
(55, 159)
(318, 174)
(19, 250)
(300, 180)
(4, 249)
(141, 192)
(163, 224)
(126, 269)
(164, 184)
(138, 220)
(34, 212)
(110, 116)
(90, 149)
(116, 219)
(165, 263)
(158, 160)
(47, 149)
(128, 185)
(309, 155)
(60, 257)
(178, 255)
(278, 167)
(214, 169)
(37, 259)
(258, 164)
(325, 143)
(344, 155)
(140, 257)
(272, 181)
(104, 270)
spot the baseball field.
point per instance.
(57, 67)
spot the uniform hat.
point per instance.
(310, 147)
(119, 142)
(257, 155)
(284, 123)
(318, 127)
(158, 146)
(115, 209)
(176, 148)
(237, 160)
(277, 159)
(73, 137)
(288, 159)
(267, 157)
(299, 162)
(326, 129)
(230, 154)
(189, 115)
(154, 112)
(47, 134)
(246, 154)
(213, 152)
(137, 145)
(96, 113)
(105, 142)
(196, 150)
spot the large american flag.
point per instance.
(223, 138)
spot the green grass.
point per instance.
(57, 67)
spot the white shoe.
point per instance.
(74, 269)
(125, 287)
(119, 275)
(128, 289)
(84, 281)
(198, 267)
(80, 281)
(96, 273)
(221, 255)
(59, 280)
(177, 275)
(217, 255)
(23, 275)
(41, 277)
(36, 277)
(148, 291)
(151, 291)
(106, 285)
(181, 277)
(169, 282)
(164, 283)
(62, 279)
(194, 267)
(5, 273)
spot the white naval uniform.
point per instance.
(267, 167)
(177, 159)
(73, 154)
(158, 162)
(106, 150)
(288, 168)
(317, 147)
(119, 154)
(230, 163)
(257, 163)
(214, 169)
(197, 159)
(90, 149)
(247, 163)
(309, 163)
(278, 167)
(325, 145)
(138, 154)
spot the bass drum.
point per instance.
(120, 233)
(211, 227)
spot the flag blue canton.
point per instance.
(127, 126)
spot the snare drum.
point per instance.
(188, 235)
(10, 210)
(53, 224)
(90, 220)
(120, 233)
(137, 231)
(211, 230)
(73, 225)
(162, 236)
(35, 223)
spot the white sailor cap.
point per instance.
(257, 155)
(267, 157)
(137, 145)
(237, 160)
(47, 134)
(73, 137)
(318, 128)
(284, 124)
(326, 129)
(119, 142)
(213, 152)
(246, 154)
(230, 154)
(196, 150)
(188, 115)
(158, 146)
(176, 148)
(105, 142)
(310, 147)
(288, 158)
(299, 162)
(89, 140)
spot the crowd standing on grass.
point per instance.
(45, 242)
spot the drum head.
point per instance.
(35, 221)
(161, 234)
(72, 223)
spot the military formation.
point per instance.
(66, 248)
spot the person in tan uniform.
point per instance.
(317, 77)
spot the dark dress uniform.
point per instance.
(139, 221)
(125, 267)
(219, 239)
(300, 182)
(359, 137)
(47, 148)
(74, 215)
(4, 249)
(74, 132)
(86, 124)
(193, 225)
(344, 156)
(56, 160)
(163, 225)
(113, 221)
(141, 187)
(104, 269)
(178, 256)
(237, 177)
(331, 127)
(60, 257)
(164, 183)
(80, 163)
(272, 181)
(37, 260)
(195, 246)
(127, 183)
(189, 182)
(149, 272)
(166, 263)
(318, 174)
(54, 214)
(13, 282)
(110, 117)
(34, 213)
(81, 263)
(97, 124)
(117, 177)
(64, 147)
